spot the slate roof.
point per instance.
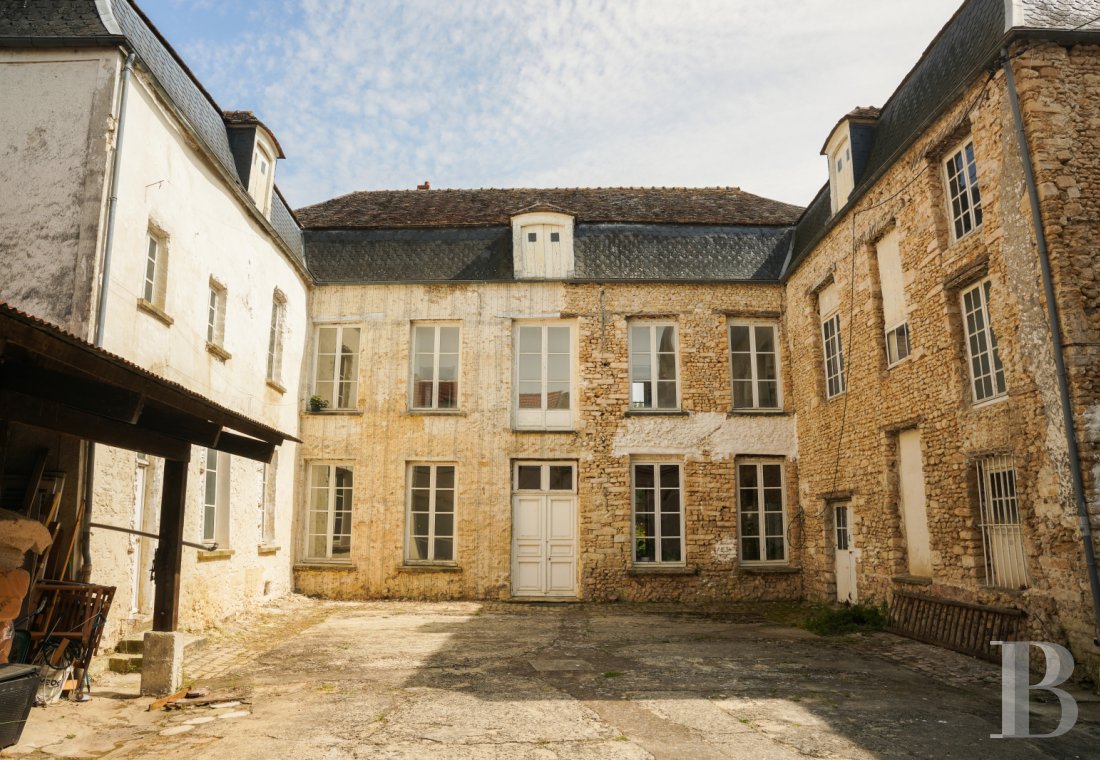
(392, 209)
(602, 252)
(970, 40)
(248, 119)
(53, 22)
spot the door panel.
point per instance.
(845, 555)
(544, 543)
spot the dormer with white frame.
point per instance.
(255, 151)
(847, 149)
(542, 244)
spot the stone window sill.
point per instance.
(663, 570)
(912, 580)
(435, 413)
(218, 352)
(988, 402)
(215, 555)
(758, 413)
(656, 413)
(335, 412)
(267, 550)
(151, 308)
(429, 569)
(571, 431)
(276, 386)
(321, 567)
(770, 569)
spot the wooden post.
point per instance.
(169, 555)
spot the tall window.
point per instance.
(337, 366)
(267, 527)
(1002, 539)
(430, 525)
(831, 342)
(156, 269)
(962, 191)
(892, 284)
(658, 513)
(987, 374)
(215, 512)
(763, 517)
(215, 314)
(544, 376)
(754, 366)
(435, 367)
(328, 526)
(275, 338)
(653, 383)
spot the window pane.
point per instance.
(773, 524)
(444, 526)
(418, 548)
(773, 475)
(424, 340)
(666, 366)
(448, 367)
(640, 339)
(561, 478)
(557, 367)
(421, 476)
(765, 366)
(644, 500)
(765, 339)
(530, 340)
(445, 501)
(557, 340)
(739, 338)
(448, 340)
(530, 477)
(557, 395)
(530, 368)
(445, 477)
(419, 523)
(530, 395)
(444, 549)
(666, 394)
(641, 368)
(326, 340)
(448, 396)
(750, 524)
(670, 500)
(666, 339)
(775, 548)
(670, 475)
(318, 546)
(741, 368)
(750, 550)
(769, 394)
(742, 393)
(670, 550)
(670, 525)
(349, 340)
(419, 500)
(645, 549)
(746, 473)
(643, 475)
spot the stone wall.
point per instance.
(848, 445)
(382, 437)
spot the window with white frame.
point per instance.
(270, 493)
(154, 285)
(1002, 538)
(215, 314)
(435, 358)
(987, 374)
(653, 371)
(761, 500)
(542, 245)
(544, 358)
(275, 337)
(754, 365)
(828, 304)
(963, 195)
(263, 178)
(892, 285)
(658, 513)
(430, 523)
(328, 522)
(215, 502)
(336, 367)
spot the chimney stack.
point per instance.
(426, 186)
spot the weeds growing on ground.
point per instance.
(834, 621)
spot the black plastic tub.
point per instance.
(18, 684)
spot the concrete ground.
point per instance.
(316, 679)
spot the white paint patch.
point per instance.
(174, 730)
(725, 550)
(708, 432)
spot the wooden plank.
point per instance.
(159, 703)
(35, 481)
(169, 554)
(172, 422)
(20, 407)
(250, 448)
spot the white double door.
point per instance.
(544, 529)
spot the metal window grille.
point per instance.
(1002, 538)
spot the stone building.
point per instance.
(643, 394)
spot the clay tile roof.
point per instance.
(393, 209)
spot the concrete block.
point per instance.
(162, 663)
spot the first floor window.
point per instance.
(544, 376)
(275, 337)
(215, 512)
(897, 344)
(763, 517)
(658, 513)
(987, 374)
(156, 268)
(328, 524)
(834, 356)
(962, 190)
(1002, 538)
(653, 383)
(754, 367)
(435, 367)
(336, 378)
(430, 535)
(215, 314)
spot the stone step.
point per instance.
(128, 656)
(131, 646)
(125, 663)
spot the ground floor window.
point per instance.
(328, 524)
(1002, 539)
(763, 518)
(658, 513)
(430, 531)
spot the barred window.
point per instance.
(1002, 538)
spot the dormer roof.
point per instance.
(859, 115)
(246, 119)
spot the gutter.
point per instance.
(101, 316)
(1056, 343)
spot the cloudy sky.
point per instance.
(383, 94)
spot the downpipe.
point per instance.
(1056, 342)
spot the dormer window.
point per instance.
(849, 144)
(841, 176)
(542, 245)
(263, 178)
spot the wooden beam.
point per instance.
(20, 407)
(168, 559)
(161, 419)
(250, 448)
(34, 482)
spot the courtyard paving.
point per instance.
(315, 679)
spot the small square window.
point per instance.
(555, 237)
(531, 237)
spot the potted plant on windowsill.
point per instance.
(316, 403)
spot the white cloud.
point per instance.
(471, 93)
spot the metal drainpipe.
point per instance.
(1056, 341)
(101, 315)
